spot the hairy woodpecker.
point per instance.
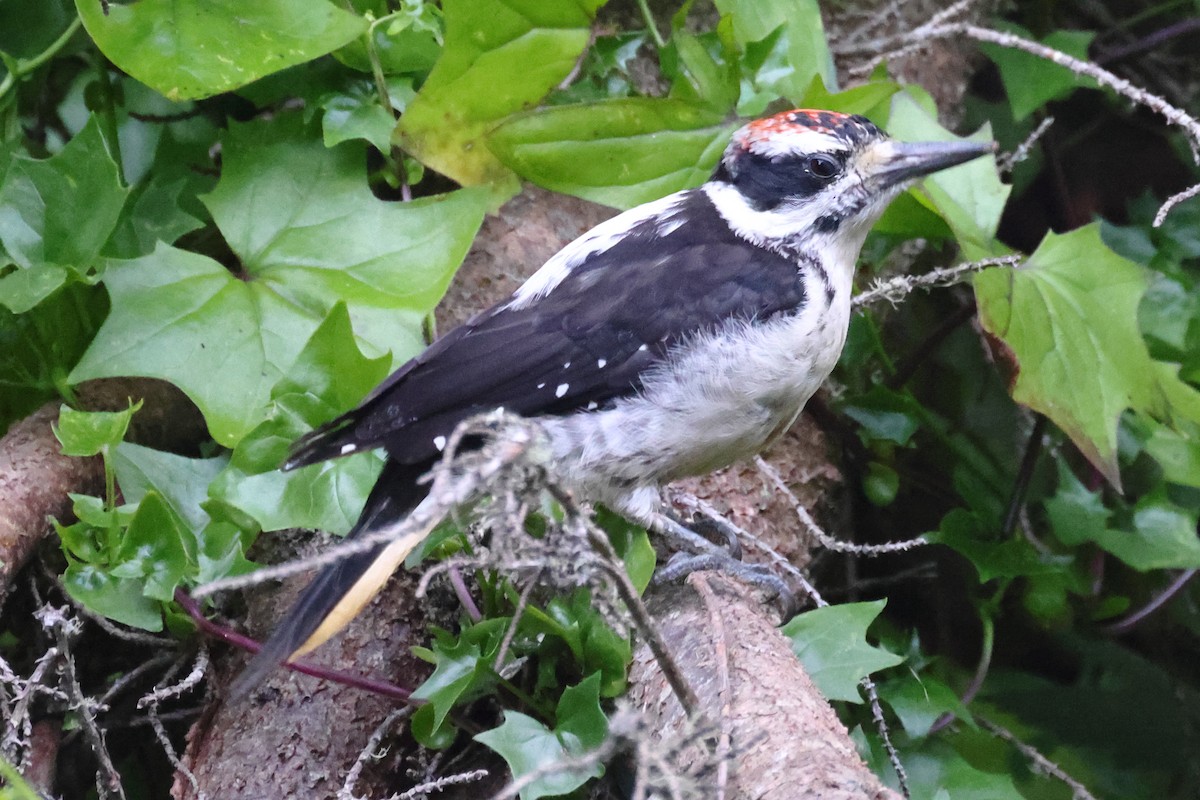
(673, 339)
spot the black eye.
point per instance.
(824, 167)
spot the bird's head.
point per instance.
(818, 180)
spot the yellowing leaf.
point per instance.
(1069, 316)
(501, 56)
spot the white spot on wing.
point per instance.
(592, 406)
(439, 442)
(562, 389)
(643, 348)
(567, 365)
(542, 385)
(601, 363)
(349, 448)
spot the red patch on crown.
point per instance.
(847, 126)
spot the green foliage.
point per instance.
(527, 745)
(56, 215)
(501, 56)
(267, 269)
(567, 638)
(1080, 373)
(187, 50)
(831, 643)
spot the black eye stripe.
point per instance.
(766, 182)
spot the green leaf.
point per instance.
(831, 643)
(185, 319)
(463, 670)
(1163, 537)
(528, 746)
(56, 214)
(501, 56)
(86, 433)
(992, 558)
(1177, 452)
(1069, 317)
(304, 222)
(39, 347)
(157, 550)
(329, 376)
(970, 197)
(193, 50)
(919, 701)
(705, 79)
(119, 599)
(1030, 81)
(15, 787)
(1076, 514)
(357, 116)
(885, 415)
(800, 26)
(179, 481)
(620, 152)
(309, 234)
(153, 215)
(632, 545)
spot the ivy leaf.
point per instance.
(1030, 81)
(920, 701)
(799, 25)
(500, 57)
(55, 215)
(970, 197)
(831, 643)
(1163, 535)
(87, 433)
(527, 745)
(620, 152)
(356, 116)
(304, 223)
(153, 215)
(463, 670)
(119, 599)
(309, 234)
(194, 50)
(992, 558)
(39, 347)
(181, 482)
(329, 376)
(157, 549)
(1069, 317)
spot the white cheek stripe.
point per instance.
(597, 240)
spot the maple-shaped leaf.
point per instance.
(1068, 316)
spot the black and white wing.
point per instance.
(577, 336)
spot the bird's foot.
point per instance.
(702, 554)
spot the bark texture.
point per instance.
(784, 741)
(35, 478)
(297, 736)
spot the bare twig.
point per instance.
(1039, 761)
(1006, 161)
(441, 784)
(455, 484)
(64, 630)
(868, 687)
(814, 530)
(896, 289)
(518, 612)
(369, 752)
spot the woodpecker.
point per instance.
(674, 339)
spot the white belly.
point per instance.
(722, 401)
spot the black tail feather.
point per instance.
(395, 494)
